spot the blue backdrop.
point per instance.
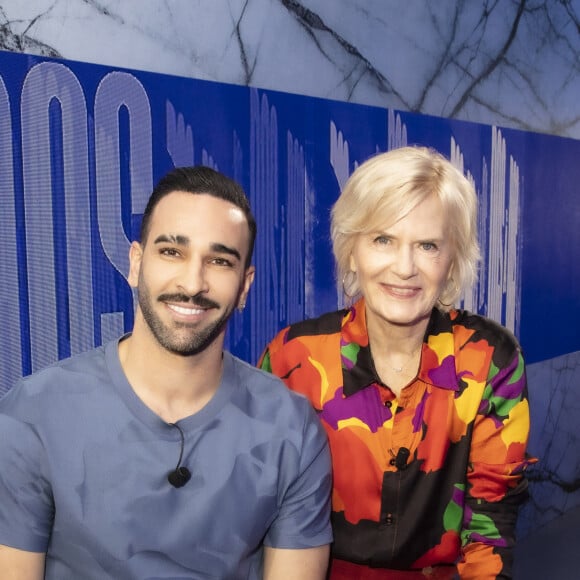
(81, 147)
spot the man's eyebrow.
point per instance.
(172, 239)
(222, 249)
(185, 241)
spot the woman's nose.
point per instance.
(404, 264)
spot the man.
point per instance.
(160, 455)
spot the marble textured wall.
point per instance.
(512, 63)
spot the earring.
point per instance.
(453, 293)
(348, 281)
(241, 306)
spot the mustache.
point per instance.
(196, 300)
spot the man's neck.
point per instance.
(171, 385)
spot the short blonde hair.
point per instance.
(388, 186)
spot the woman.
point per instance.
(424, 405)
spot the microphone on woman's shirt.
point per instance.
(401, 458)
(180, 475)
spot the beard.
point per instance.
(181, 338)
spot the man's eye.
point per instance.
(222, 262)
(169, 252)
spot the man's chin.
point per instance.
(192, 346)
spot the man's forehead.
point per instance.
(187, 217)
(175, 202)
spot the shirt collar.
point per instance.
(437, 365)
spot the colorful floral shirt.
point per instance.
(464, 421)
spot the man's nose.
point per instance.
(192, 278)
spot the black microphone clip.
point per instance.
(180, 475)
(401, 458)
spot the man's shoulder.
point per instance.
(267, 389)
(256, 379)
(79, 372)
(88, 362)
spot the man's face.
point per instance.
(190, 273)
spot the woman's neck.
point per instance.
(396, 351)
(398, 339)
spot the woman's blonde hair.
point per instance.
(385, 189)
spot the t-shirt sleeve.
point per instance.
(26, 507)
(303, 519)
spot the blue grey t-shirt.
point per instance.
(84, 465)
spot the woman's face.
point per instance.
(403, 269)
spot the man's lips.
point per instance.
(184, 304)
(186, 311)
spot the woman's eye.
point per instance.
(429, 246)
(382, 240)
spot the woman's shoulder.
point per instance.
(480, 327)
(310, 331)
(325, 324)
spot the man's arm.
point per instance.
(21, 565)
(26, 506)
(302, 564)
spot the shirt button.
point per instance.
(389, 520)
(388, 404)
(392, 461)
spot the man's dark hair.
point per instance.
(200, 180)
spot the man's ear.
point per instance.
(135, 257)
(246, 285)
